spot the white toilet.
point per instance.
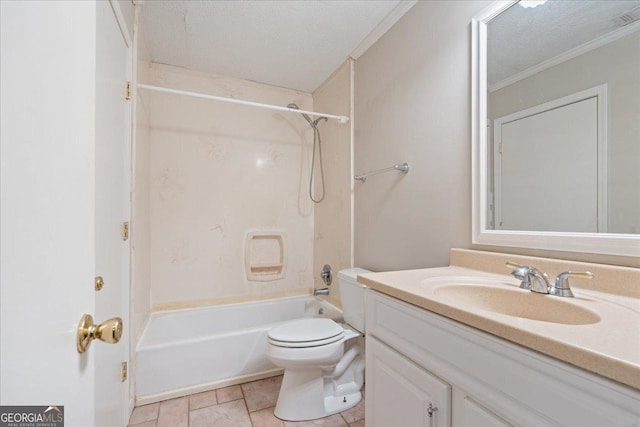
(323, 361)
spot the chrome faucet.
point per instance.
(537, 281)
(532, 278)
(327, 277)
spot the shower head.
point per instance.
(307, 118)
(313, 123)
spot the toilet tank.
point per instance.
(352, 297)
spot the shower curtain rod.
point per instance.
(342, 119)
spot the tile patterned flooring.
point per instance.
(245, 405)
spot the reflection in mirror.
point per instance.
(555, 126)
(563, 117)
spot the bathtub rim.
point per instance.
(154, 314)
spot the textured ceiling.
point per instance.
(522, 37)
(292, 44)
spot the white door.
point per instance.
(112, 202)
(547, 163)
(49, 197)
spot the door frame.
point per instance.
(127, 276)
(598, 92)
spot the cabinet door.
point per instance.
(400, 393)
(470, 413)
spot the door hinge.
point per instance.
(123, 371)
(127, 91)
(125, 231)
(500, 148)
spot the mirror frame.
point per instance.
(597, 243)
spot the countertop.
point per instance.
(609, 347)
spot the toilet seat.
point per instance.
(302, 333)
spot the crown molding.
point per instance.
(387, 22)
(569, 54)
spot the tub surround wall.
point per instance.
(218, 171)
(413, 103)
(332, 217)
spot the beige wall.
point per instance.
(140, 233)
(332, 217)
(618, 65)
(217, 171)
(413, 103)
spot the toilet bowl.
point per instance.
(323, 360)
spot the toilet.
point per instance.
(323, 361)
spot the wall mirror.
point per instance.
(556, 125)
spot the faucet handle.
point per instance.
(562, 288)
(326, 274)
(521, 272)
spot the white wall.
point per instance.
(217, 171)
(332, 217)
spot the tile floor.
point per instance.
(250, 404)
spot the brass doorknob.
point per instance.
(109, 331)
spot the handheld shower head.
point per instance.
(318, 142)
(315, 122)
(306, 116)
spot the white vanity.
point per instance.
(434, 362)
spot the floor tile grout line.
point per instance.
(246, 406)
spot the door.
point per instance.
(50, 197)
(549, 166)
(112, 211)
(400, 393)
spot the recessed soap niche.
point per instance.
(265, 255)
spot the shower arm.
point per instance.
(402, 167)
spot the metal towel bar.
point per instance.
(402, 167)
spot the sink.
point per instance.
(515, 302)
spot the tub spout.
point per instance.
(323, 291)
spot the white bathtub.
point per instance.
(192, 350)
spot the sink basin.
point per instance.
(515, 302)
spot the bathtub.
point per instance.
(192, 350)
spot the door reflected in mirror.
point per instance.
(563, 117)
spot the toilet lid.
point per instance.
(311, 332)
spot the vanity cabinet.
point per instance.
(418, 360)
(417, 397)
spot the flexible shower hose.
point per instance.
(316, 137)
